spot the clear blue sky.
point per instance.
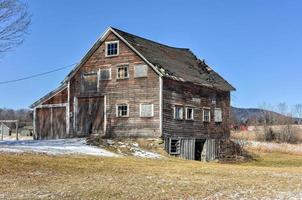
(256, 45)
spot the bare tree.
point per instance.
(14, 23)
(298, 111)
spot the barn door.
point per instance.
(90, 115)
(51, 122)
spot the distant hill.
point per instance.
(256, 115)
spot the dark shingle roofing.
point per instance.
(177, 63)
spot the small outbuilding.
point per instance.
(4, 130)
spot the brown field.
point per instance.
(33, 176)
(256, 132)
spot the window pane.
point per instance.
(190, 113)
(122, 72)
(174, 146)
(178, 112)
(122, 110)
(105, 74)
(112, 48)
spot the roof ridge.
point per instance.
(179, 48)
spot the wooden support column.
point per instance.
(17, 136)
(2, 131)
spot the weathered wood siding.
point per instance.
(60, 97)
(50, 123)
(132, 91)
(197, 97)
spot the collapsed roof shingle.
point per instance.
(177, 63)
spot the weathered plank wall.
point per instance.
(50, 123)
(60, 97)
(132, 91)
(186, 94)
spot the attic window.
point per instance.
(112, 48)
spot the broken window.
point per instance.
(122, 72)
(189, 114)
(146, 110)
(206, 114)
(122, 110)
(105, 74)
(178, 112)
(174, 146)
(90, 82)
(112, 48)
(218, 115)
(140, 71)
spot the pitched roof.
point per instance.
(177, 63)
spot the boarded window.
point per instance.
(112, 48)
(174, 146)
(105, 74)
(122, 72)
(140, 71)
(122, 110)
(189, 114)
(90, 82)
(206, 115)
(178, 112)
(218, 115)
(146, 110)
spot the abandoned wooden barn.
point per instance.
(128, 86)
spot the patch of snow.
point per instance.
(54, 147)
(144, 154)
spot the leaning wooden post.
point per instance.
(17, 138)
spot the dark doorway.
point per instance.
(198, 149)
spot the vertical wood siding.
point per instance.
(132, 91)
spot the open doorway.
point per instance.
(198, 148)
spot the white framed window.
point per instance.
(112, 48)
(174, 146)
(146, 110)
(206, 112)
(189, 113)
(122, 110)
(218, 115)
(178, 112)
(140, 71)
(122, 72)
(105, 74)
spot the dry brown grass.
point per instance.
(31, 176)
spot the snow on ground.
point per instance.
(54, 147)
(144, 154)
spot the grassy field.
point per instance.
(30, 176)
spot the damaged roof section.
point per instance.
(176, 63)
